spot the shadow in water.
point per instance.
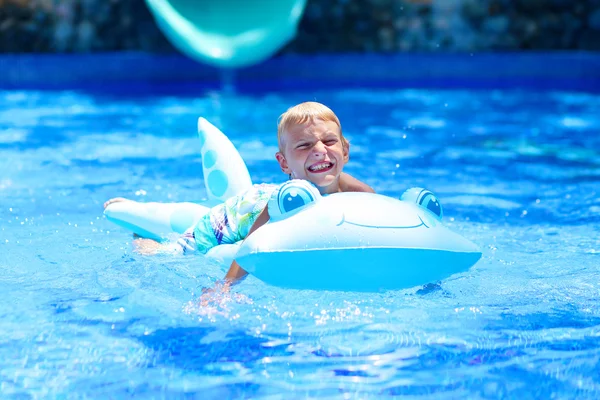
(194, 348)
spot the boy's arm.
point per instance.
(237, 273)
(351, 184)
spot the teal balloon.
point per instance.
(228, 33)
(209, 158)
(217, 182)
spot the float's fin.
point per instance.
(225, 173)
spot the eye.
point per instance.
(430, 202)
(292, 195)
(302, 146)
(331, 142)
(425, 199)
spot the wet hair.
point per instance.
(303, 113)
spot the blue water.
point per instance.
(83, 316)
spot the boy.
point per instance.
(311, 147)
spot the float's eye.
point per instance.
(296, 194)
(425, 199)
(429, 201)
(292, 196)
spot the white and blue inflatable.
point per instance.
(344, 241)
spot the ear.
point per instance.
(346, 147)
(283, 163)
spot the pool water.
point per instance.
(82, 315)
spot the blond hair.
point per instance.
(306, 112)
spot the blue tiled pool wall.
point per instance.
(556, 70)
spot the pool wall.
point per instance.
(578, 71)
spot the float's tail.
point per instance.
(228, 33)
(225, 175)
(158, 221)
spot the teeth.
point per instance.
(320, 166)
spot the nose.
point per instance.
(319, 148)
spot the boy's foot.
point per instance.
(147, 247)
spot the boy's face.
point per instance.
(315, 152)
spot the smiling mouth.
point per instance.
(321, 167)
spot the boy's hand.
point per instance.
(213, 295)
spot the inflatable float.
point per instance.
(344, 241)
(228, 33)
